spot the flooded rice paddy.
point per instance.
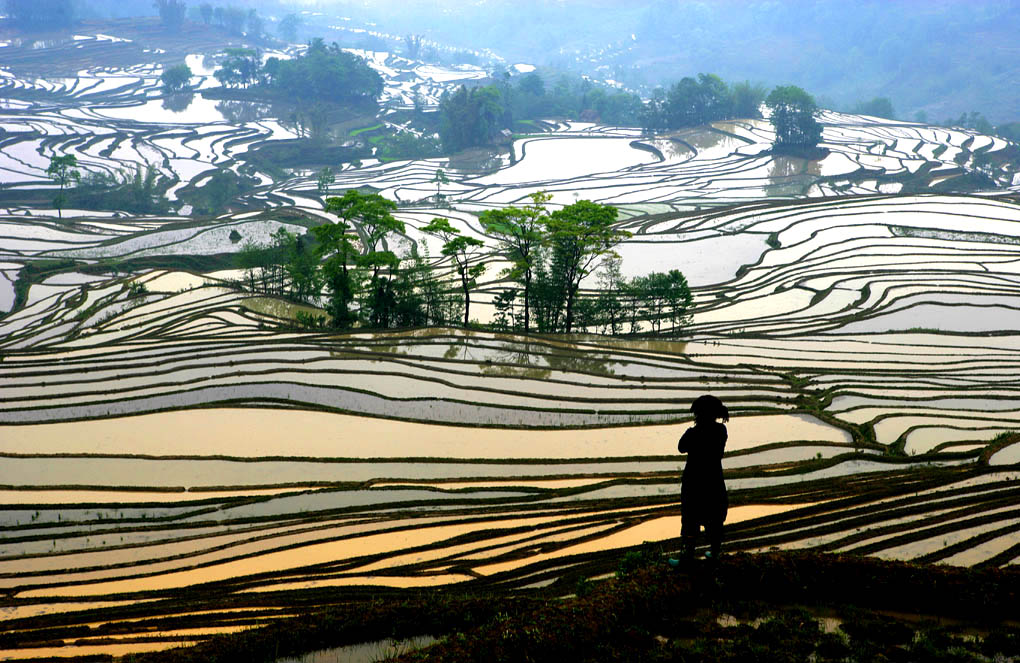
(164, 433)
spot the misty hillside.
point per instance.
(944, 57)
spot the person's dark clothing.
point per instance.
(703, 500)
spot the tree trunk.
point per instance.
(527, 300)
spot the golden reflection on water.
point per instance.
(90, 650)
(320, 553)
(405, 582)
(303, 433)
(659, 529)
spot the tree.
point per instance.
(34, 15)
(301, 265)
(176, 78)
(325, 178)
(469, 118)
(233, 19)
(288, 27)
(220, 189)
(412, 46)
(518, 230)
(579, 235)
(609, 307)
(63, 170)
(439, 179)
(878, 107)
(365, 219)
(463, 251)
(665, 297)
(171, 13)
(206, 10)
(747, 99)
(256, 26)
(241, 68)
(327, 73)
(793, 118)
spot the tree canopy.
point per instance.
(326, 73)
(34, 14)
(176, 78)
(63, 170)
(692, 102)
(793, 118)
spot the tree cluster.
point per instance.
(877, 107)
(171, 13)
(136, 192)
(793, 117)
(351, 268)
(324, 73)
(176, 78)
(551, 254)
(233, 19)
(36, 15)
(475, 116)
(693, 102)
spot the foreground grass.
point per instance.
(761, 607)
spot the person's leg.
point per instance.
(689, 529)
(715, 532)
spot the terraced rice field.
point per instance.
(176, 460)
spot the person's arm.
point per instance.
(684, 445)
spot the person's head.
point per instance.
(709, 408)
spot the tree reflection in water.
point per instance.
(178, 103)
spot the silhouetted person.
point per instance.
(703, 500)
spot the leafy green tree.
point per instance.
(327, 73)
(609, 307)
(665, 298)
(206, 10)
(63, 170)
(439, 179)
(579, 235)
(747, 99)
(503, 302)
(518, 232)
(470, 117)
(793, 118)
(547, 294)
(302, 262)
(408, 145)
(463, 252)
(241, 68)
(176, 78)
(532, 84)
(325, 178)
(219, 190)
(252, 260)
(337, 249)
(365, 220)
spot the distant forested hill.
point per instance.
(943, 57)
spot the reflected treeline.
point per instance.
(534, 360)
(241, 112)
(179, 102)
